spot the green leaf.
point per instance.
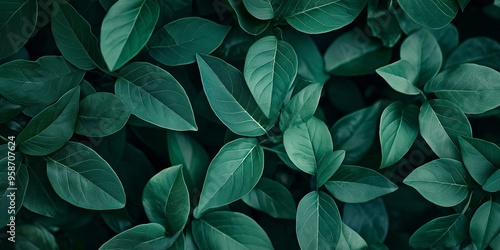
(479, 50)
(248, 23)
(17, 23)
(179, 244)
(81, 177)
(328, 165)
(74, 37)
(454, 85)
(493, 183)
(301, 107)
(178, 42)
(401, 76)
(353, 184)
(239, 162)
(447, 39)
(383, 24)
(117, 220)
(481, 158)
(136, 20)
(271, 198)
(484, 225)
(270, 69)
(144, 236)
(9, 109)
(433, 15)
(229, 230)
(155, 96)
(441, 123)
(463, 4)
(354, 53)
(318, 224)
(350, 240)
(398, 131)
(38, 83)
(20, 181)
(442, 182)
(230, 98)
(315, 17)
(448, 231)
(34, 236)
(52, 127)
(166, 199)
(368, 219)
(260, 9)
(307, 143)
(94, 121)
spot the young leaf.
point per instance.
(271, 198)
(229, 230)
(260, 9)
(20, 182)
(328, 165)
(493, 183)
(368, 219)
(401, 76)
(52, 128)
(350, 240)
(270, 69)
(301, 107)
(74, 37)
(166, 199)
(448, 231)
(307, 143)
(318, 224)
(315, 17)
(432, 15)
(144, 236)
(95, 121)
(15, 13)
(230, 98)
(441, 123)
(240, 161)
(248, 23)
(178, 42)
(38, 83)
(81, 177)
(398, 130)
(454, 85)
(479, 50)
(442, 182)
(353, 184)
(347, 56)
(155, 96)
(125, 30)
(484, 225)
(481, 158)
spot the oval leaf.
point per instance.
(248, 23)
(493, 183)
(20, 182)
(15, 13)
(433, 15)
(448, 231)
(261, 9)
(369, 219)
(401, 76)
(350, 240)
(328, 165)
(481, 158)
(479, 50)
(301, 107)
(484, 226)
(144, 236)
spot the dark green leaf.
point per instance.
(178, 42)
(9, 109)
(35, 236)
(271, 198)
(179, 244)
(442, 182)
(350, 240)
(383, 24)
(144, 236)
(484, 225)
(479, 50)
(447, 39)
(17, 23)
(118, 220)
(433, 15)
(481, 158)
(81, 177)
(463, 4)
(248, 23)
(239, 162)
(155, 96)
(20, 174)
(52, 127)
(369, 220)
(448, 231)
(136, 20)
(493, 183)
(328, 165)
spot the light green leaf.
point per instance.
(318, 224)
(270, 69)
(49, 130)
(350, 240)
(95, 121)
(155, 96)
(433, 14)
(401, 76)
(454, 85)
(479, 50)
(368, 219)
(178, 42)
(248, 23)
(81, 177)
(354, 53)
(307, 143)
(398, 131)
(328, 165)
(448, 231)
(144, 236)
(240, 161)
(353, 184)
(229, 230)
(166, 199)
(260, 9)
(301, 107)
(20, 182)
(34, 236)
(315, 17)
(442, 182)
(40, 82)
(484, 225)
(493, 183)
(17, 23)
(230, 98)
(271, 198)
(441, 123)
(481, 158)
(125, 30)
(74, 37)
